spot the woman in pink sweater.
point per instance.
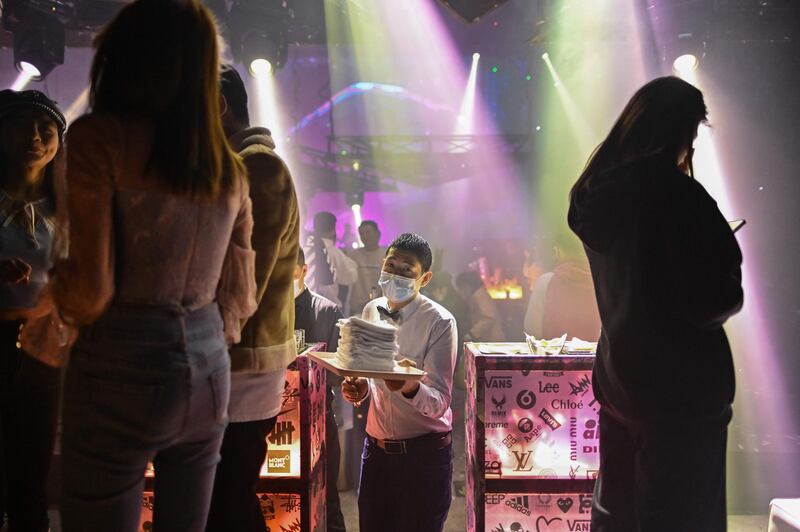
(160, 273)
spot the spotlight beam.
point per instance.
(465, 124)
(22, 81)
(582, 130)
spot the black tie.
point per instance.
(386, 313)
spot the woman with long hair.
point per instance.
(160, 273)
(31, 126)
(667, 274)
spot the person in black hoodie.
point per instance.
(667, 274)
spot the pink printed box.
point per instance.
(532, 439)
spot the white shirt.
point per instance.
(256, 396)
(344, 269)
(366, 286)
(534, 316)
(427, 335)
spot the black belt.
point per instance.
(420, 444)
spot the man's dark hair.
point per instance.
(301, 257)
(232, 88)
(415, 245)
(370, 223)
(324, 222)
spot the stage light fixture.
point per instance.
(472, 10)
(685, 52)
(685, 63)
(260, 67)
(261, 53)
(39, 41)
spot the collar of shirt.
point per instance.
(407, 311)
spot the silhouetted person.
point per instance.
(31, 128)
(259, 361)
(666, 269)
(369, 260)
(484, 321)
(563, 300)
(318, 317)
(328, 267)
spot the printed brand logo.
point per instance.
(573, 472)
(290, 394)
(525, 425)
(553, 373)
(580, 525)
(499, 404)
(565, 503)
(267, 507)
(279, 461)
(543, 523)
(493, 425)
(494, 498)
(515, 527)
(585, 504)
(282, 433)
(291, 503)
(523, 458)
(526, 399)
(549, 420)
(581, 386)
(498, 381)
(566, 404)
(294, 526)
(492, 467)
(549, 387)
(509, 441)
(520, 504)
(591, 432)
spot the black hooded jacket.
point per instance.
(667, 274)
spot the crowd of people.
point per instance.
(157, 263)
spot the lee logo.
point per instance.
(279, 461)
(550, 387)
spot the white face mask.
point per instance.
(397, 289)
(297, 289)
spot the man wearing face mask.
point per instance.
(409, 422)
(317, 316)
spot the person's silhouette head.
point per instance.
(659, 122)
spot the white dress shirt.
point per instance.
(427, 335)
(343, 268)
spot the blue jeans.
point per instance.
(144, 385)
(402, 492)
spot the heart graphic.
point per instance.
(542, 521)
(565, 503)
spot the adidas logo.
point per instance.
(520, 504)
